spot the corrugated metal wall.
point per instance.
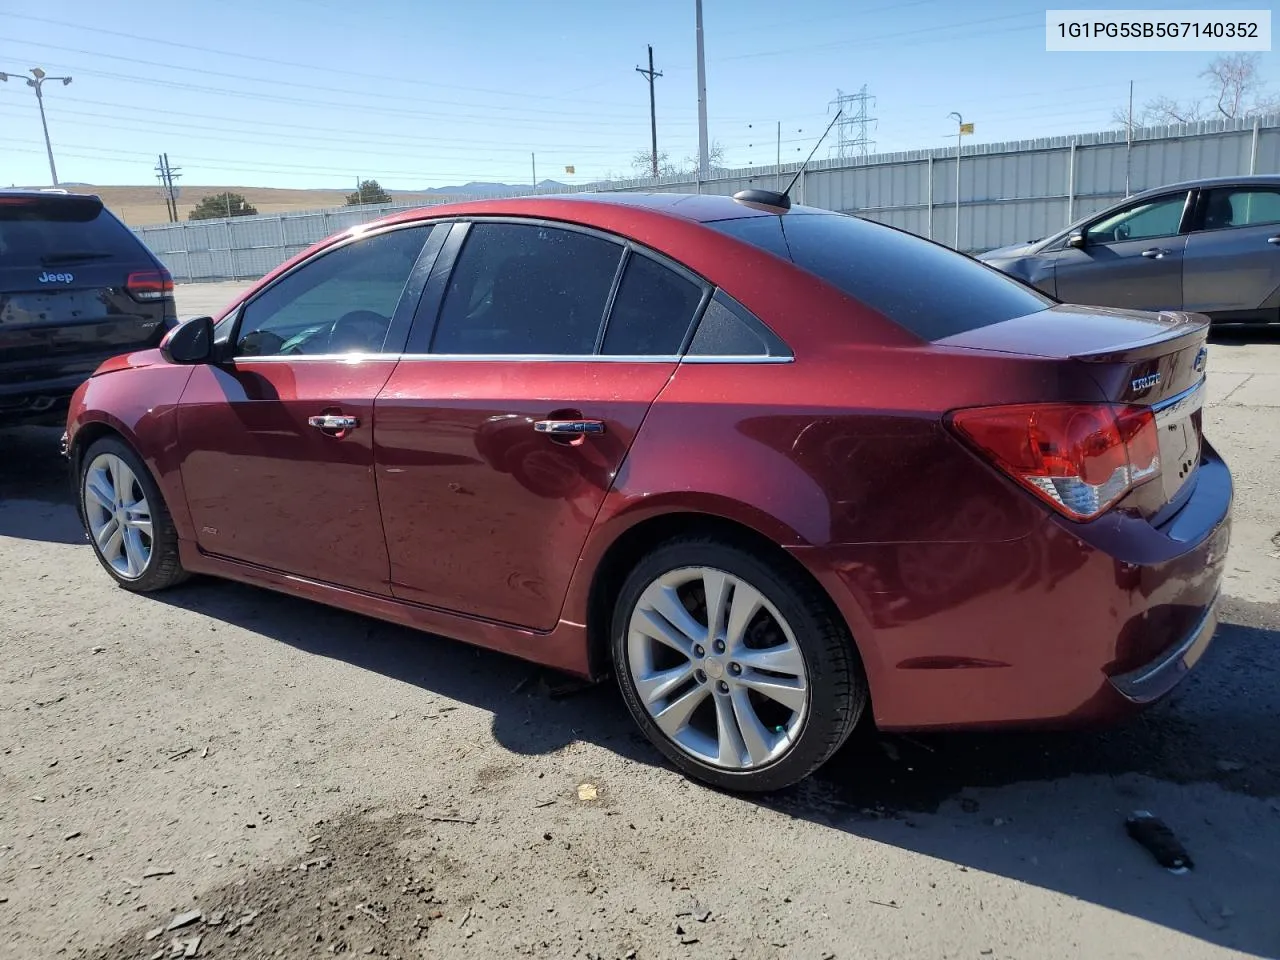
(1009, 192)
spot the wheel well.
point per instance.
(630, 548)
(89, 434)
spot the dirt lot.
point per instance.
(314, 783)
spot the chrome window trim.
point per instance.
(505, 358)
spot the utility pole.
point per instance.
(1128, 145)
(961, 129)
(778, 166)
(36, 82)
(167, 175)
(704, 149)
(533, 160)
(651, 75)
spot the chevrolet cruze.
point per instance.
(778, 470)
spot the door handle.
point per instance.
(330, 421)
(1155, 253)
(569, 428)
(1275, 239)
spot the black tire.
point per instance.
(838, 691)
(163, 569)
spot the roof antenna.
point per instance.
(771, 201)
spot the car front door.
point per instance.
(531, 365)
(1232, 266)
(1131, 258)
(277, 438)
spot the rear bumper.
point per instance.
(1073, 625)
(1154, 680)
(44, 400)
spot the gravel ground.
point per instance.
(313, 783)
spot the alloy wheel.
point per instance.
(717, 668)
(118, 515)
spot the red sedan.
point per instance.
(776, 469)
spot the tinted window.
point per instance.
(1241, 207)
(1159, 217)
(48, 231)
(652, 311)
(728, 329)
(924, 287)
(526, 289)
(341, 302)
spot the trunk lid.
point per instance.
(1154, 360)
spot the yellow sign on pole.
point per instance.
(966, 128)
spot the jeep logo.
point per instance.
(47, 277)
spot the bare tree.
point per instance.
(1236, 90)
(642, 163)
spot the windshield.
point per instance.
(926, 288)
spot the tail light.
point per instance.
(1080, 458)
(149, 285)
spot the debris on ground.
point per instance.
(588, 792)
(1159, 840)
(156, 872)
(184, 919)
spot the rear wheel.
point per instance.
(738, 671)
(126, 518)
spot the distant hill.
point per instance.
(480, 188)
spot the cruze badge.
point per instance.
(1145, 383)
(1202, 357)
(47, 277)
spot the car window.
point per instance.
(525, 288)
(1240, 207)
(55, 230)
(652, 311)
(1158, 217)
(340, 302)
(924, 287)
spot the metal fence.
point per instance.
(1009, 192)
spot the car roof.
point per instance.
(1259, 179)
(692, 207)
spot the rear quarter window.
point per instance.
(51, 231)
(928, 289)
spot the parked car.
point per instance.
(76, 287)
(776, 470)
(1208, 246)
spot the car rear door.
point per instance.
(277, 439)
(532, 363)
(76, 287)
(1131, 258)
(1232, 263)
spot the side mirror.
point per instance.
(190, 342)
(1076, 240)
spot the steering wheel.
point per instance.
(364, 330)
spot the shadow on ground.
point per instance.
(1044, 809)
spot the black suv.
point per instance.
(76, 287)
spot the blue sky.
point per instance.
(314, 93)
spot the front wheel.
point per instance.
(736, 670)
(126, 518)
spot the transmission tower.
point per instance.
(855, 123)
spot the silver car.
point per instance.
(1208, 246)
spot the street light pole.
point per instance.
(704, 149)
(959, 134)
(36, 82)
